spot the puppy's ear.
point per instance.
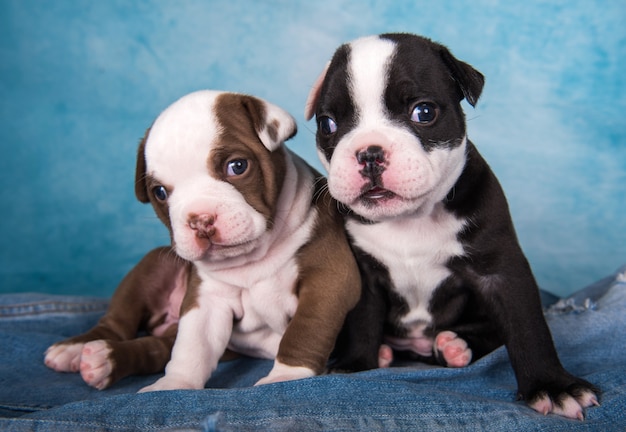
(314, 94)
(470, 81)
(272, 124)
(141, 187)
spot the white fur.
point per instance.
(255, 290)
(64, 358)
(368, 78)
(285, 122)
(91, 359)
(415, 250)
(95, 365)
(282, 372)
(454, 350)
(570, 407)
(202, 337)
(247, 296)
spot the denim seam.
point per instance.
(25, 407)
(51, 307)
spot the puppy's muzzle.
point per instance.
(202, 225)
(373, 161)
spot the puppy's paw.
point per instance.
(64, 357)
(385, 356)
(95, 365)
(569, 403)
(169, 382)
(282, 372)
(452, 349)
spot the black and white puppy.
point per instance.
(429, 221)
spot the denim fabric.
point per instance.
(588, 333)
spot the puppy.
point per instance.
(430, 224)
(147, 301)
(273, 275)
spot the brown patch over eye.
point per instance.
(241, 118)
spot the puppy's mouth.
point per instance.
(376, 194)
(206, 250)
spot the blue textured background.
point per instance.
(80, 81)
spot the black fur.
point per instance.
(491, 297)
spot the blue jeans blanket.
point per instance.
(588, 329)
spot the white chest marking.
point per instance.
(261, 308)
(415, 249)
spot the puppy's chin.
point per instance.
(374, 202)
(204, 250)
(389, 206)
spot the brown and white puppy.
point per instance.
(275, 273)
(430, 223)
(275, 264)
(147, 300)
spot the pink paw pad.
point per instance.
(385, 356)
(95, 365)
(454, 350)
(569, 407)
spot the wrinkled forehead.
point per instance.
(182, 134)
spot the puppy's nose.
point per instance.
(202, 224)
(373, 161)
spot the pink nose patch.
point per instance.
(202, 225)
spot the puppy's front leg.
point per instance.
(203, 334)
(542, 381)
(307, 342)
(329, 287)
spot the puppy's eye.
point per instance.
(327, 125)
(424, 112)
(160, 193)
(236, 167)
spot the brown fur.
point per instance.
(141, 191)
(329, 286)
(138, 305)
(190, 300)
(329, 282)
(144, 184)
(263, 181)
